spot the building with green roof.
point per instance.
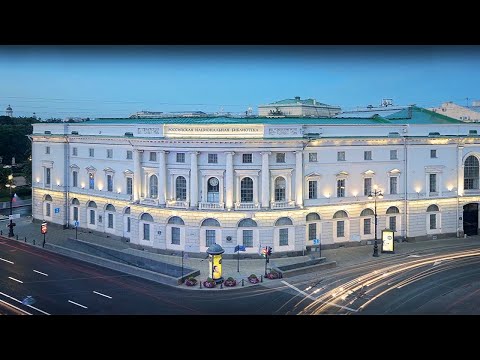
(298, 107)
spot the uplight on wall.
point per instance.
(83, 185)
(37, 179)
(450, 187)
(100, 187)
(119, 190)
(327, 195)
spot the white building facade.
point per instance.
(183, 184)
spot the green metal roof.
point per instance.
(298, 101)
(416, 115)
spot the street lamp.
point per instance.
(373, 195)
(11, 186)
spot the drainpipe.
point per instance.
(405, 190)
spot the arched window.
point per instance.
(153, 186)
(92, 204)
(247, 223)
(432, 218)
(176, 220)
(213, 194)
(127, 221)
(432, 208)
(91, 212)
(48, 198)
(75, 205)
(48, 206)
(127, 211)
(283, 221)
(146, 225)
(280, 186)
(393, 210)
(181, 188)
(210, 222)
(367, 212)
(75, 202)
(146, 217)
(110, 207)
(313, 217)
(210, 234)
(471, 173)
(246, 190)
(340, 214)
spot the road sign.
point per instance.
(57, 210)
(44, 228)
(14, 216)
(316, 241)
(76, 223)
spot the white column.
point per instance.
(461, 169)
(173, 196)
(194, 179)
(299, 178)
(229, 180)
(162, 178)
(137, 177)
(205, 188)
(265, 180)
(288, 189)
(427, 187)
(146, 186)
(440, 184)
(255, 189)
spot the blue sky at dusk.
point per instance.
(116, 81)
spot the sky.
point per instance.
(116, 81)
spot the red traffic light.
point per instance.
(44, 228)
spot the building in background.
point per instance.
(298, 107)
(186, 183)
(9, 111)
(467, 114)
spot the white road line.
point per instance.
(30, 306)
(10, 262)
(39, 272)
(17, 308)
(315, 299)
(73, 302)
(19, 281)
(96, 292)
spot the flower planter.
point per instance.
(191, 282)
(273, 275)
(230, 283)
(253, 280)
(209, 284)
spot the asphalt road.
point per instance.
(36, 281)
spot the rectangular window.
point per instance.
(393, 185)
(129, 155)
(47, 209)
(75, 178)
(283, 237)
(340, 229)
(175, 236)
(247, 158)
(312, 189)
(128, 224)
(74, 151)
(212, 158)
(341, 156)
(47, 176)
(209, 237)
(146, 231)
(280, 157)
(91, 181)
(47, 150)
(109, 153)
(433, 154)
(312, 157)
(180, 157)
(367, 186)
(341, 188)
(129, 186)
(92, 217)
(433, 221)
(248, 238)
(312, 231)
(367, 226)
(75, 213)
(367, 155)
(393, 155)
(110, 221)
(91, 152)
(109, 182)
(433, 183)
(393, 223)
(153, 156)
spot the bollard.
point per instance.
(242, 282)
(200, 284)
(221, 285)
(33, 241)
(25, 239)
(261, 278)
(17, 236)
(1, 232)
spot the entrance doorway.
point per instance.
(470, 219)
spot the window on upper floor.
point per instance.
(393, 155)
(247, 158)
(367, 155)
(153, 156)
(280, 157)
(341, 188)
(129, 155)
(180, 157)
(312, 157)
(471, 173)
(75, 178)
(433, 154)
(312, 189)
(433, 183)
(109, 153)
(47, 150)
(74, 151)
(341, 156)
(367, 186)
(212, 158)
(110, 182)
(91, 152)
(129, 186)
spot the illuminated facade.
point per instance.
(183, 184)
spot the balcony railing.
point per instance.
(211, 206)
(177, 204)
(282, 204)
(149, 201)
(246, 206)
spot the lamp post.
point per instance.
(11, 186)
(373, 195)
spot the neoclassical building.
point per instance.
(185, 183)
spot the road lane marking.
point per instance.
(19, 281)
(315, 299)
(41, 273)
(8, 261)
(73, 302)
(30, 306)
(16, 308)
(96, 292)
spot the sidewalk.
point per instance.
(344, 256)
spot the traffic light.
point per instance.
(269, 251)
(264, 251)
